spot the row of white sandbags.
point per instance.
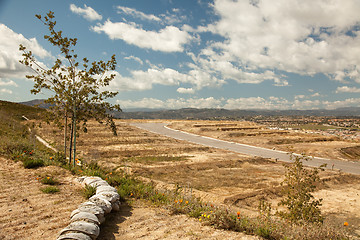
(86, 219)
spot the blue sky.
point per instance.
(245, 54)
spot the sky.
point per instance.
(172, 54)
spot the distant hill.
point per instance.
(37, 102)
(17, 110)
(224, 114)
(217, 113)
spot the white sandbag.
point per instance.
(74, 236)
(85, 216)
(90, 229)
(108, 188)
(110, 196)
(101, 202)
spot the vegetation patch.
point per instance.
(33, 163)
(89, 191)
(50, 189)
(49, 181)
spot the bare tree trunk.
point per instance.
(71, 140)
(65, 136)
(74, 132)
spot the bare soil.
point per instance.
(28, 213)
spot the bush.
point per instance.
(49, 181)
(298, 186)
(89, 191)
(33, 163)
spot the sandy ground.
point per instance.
(28, 213)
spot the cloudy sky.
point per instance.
(244, 54)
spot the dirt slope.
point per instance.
(28, 213)
(147, 223)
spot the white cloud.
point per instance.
(171, 103)
(133, 12)
(135, 59)
(140, 80)
(7, 83)
(347, 89)
(299, 96)
(87, 12)
(350, 102)
(10, 54)
(5, 91)
(270, 103)
(185, 90)
(298, 36)
(168, 39)
(316, 95)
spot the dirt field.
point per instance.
(28, 213)
(220, 176)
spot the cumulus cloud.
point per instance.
(7, 83)
(10, 54)
(87, 12)
(297, 36)
(349, 102)
(133, 12)
(5, 91)
(168, 39)
(185, 90)
(260, 103)
(170, 17)
(135, 59)
(140, 80)
(347, 89)
(171, 103)
(210, 102)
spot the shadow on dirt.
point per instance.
(113, 220)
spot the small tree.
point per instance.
(77, 87)
(298, 186)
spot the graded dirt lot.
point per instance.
(219, 176)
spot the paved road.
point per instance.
(160, 128)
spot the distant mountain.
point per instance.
(216, 113)
(37, 102)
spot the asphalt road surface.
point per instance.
(160, 128)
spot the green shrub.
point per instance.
(50, 189)
(298, 186)
(33, 163)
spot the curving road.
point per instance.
(160, 128)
